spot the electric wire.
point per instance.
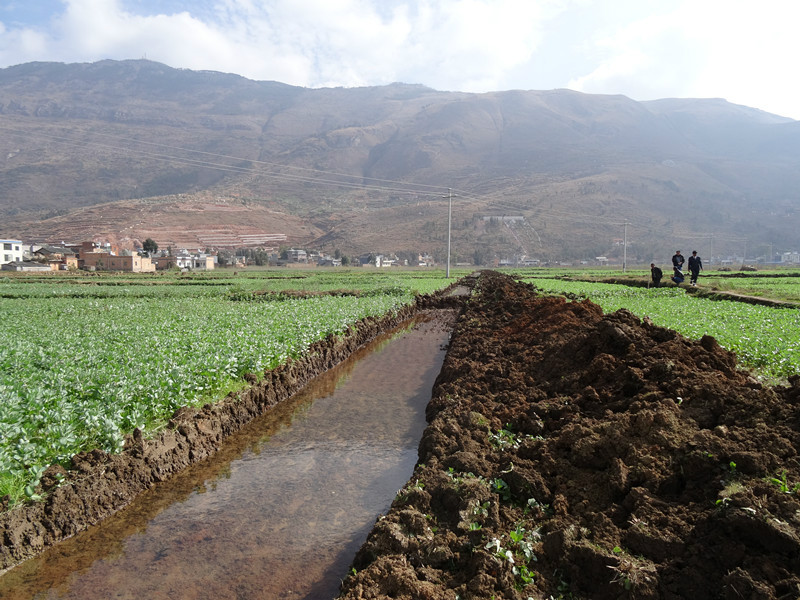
(168, 153)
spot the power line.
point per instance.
(290, 173)
(302, 175)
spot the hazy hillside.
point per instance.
(134, 149)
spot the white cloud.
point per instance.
(732, 49)
(649, 58)
(453, 44)
(641, 48)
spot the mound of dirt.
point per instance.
(575, 455)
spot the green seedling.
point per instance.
(783, 484)
(501, 487)
(525, 575)
(481, 509)
(504, 439)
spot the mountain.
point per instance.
(125, 150)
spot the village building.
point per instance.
(297, 255)
(58, 257)
(328, 261)
(165, 262)
(25, 265)
(790, 257)
(11, 251)
(425, 260)
(105, 261)
(199, 261)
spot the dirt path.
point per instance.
(606, 457)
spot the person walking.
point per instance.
(655, 274)
(695, 266)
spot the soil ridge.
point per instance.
(572, 454)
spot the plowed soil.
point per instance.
(575, 455)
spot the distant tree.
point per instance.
(480, 256)
(224, 258)
(345, 261)
(261, 257)
(409, 257)
(150, 246)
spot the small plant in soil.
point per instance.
(519, 553)
(534, 506)
(524, 540)
(504, 439)
(783, 484)
(495, 546)
(501, 488)
(731, 489)
(481, 509)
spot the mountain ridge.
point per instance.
(367, 169)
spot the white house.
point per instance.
(297, 255)
(10, 251)
(199, 261)
(790, 257)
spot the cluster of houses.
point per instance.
(93, 256)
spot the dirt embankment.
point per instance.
(575, 455)
(99, 484)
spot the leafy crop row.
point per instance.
(80, 370)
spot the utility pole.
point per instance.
(711, 252)
(625, 248)
(449, 222)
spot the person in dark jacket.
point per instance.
(677, 260)
(677, 267)
(656, 274)
(695, 266)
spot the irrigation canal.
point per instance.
(280, 511)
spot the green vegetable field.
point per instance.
(86, 359)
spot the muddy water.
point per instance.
(276, 514)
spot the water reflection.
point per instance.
(280, 511)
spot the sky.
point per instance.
(741, 50)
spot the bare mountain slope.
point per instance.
(367, 169)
